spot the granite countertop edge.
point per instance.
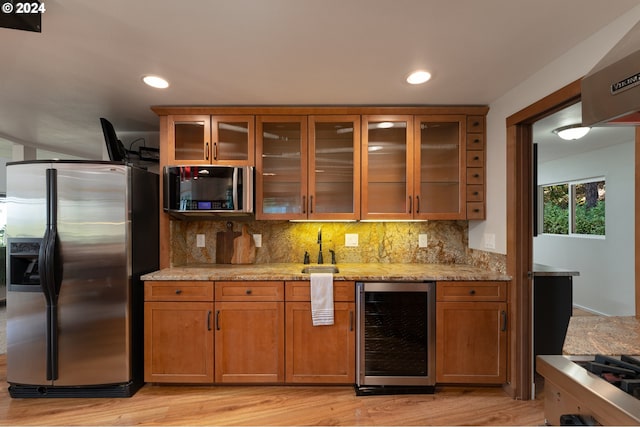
(293, 271)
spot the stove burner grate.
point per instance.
(622, 372)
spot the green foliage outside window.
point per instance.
(588, 204)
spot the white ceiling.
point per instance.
(88, 61)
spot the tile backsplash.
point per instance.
(378, 242)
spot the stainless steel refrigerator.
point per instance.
(79, 236)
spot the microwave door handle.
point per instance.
(235, 188)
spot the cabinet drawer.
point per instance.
(475, 124)
(475, 193)
(301, 291)
(475, 210)
(475, 141)
(178, 290)
(475, 175)
(475, 158)
(250, 291)
(471, 291)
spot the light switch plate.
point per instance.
(200, 240)
(422, 241)
(351, 240)
(489, 240)
(257, 239)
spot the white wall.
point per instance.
(564, 70)
(606, 266)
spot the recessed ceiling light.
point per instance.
(155, 81)
(572, 132)
(418, 77)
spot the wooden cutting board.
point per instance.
(244, 248)
(224, 244)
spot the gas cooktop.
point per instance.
(599, 390)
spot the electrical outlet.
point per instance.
(351, 240)
(489, 240)
(200, 240)
(257, 239)
(422, 241)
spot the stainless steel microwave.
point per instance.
(208, 190)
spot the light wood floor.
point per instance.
(273, 405)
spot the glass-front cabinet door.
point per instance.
(439, 162)
(189, 137)
(281, 167)
(387, 167)
(203, 139)
(334, 167)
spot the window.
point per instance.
(574, 208)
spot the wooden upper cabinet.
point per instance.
(439, 167)
(334, 167)
(308, 167)
(204, 139)
(387, 167)
(281, 167)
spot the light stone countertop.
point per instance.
(293, 271)
(591, 335)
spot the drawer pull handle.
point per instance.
(248, 292)
(475, 175)
(472, 292)
(476, 141)
(476, 210)
(475, 193)
(178, 291)
(476, 158)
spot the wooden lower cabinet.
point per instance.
(320, 354)
(178, 342)
(471, 332)
(249, 333)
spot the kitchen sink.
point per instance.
(320, 269)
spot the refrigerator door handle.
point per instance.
(51, 273)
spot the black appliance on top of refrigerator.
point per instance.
(80, 235)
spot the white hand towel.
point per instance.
(322, 299)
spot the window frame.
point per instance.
(571, 186)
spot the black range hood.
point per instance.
(611, 90)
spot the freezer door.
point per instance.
(26, 312)
(94, 299)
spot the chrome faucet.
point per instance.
(320, 260)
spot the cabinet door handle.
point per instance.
(351, 320)
(418, 204)
(304, 204)
(504, 320)
(310, 204)
(206, 150)
(178, 291)
(209, 320)
(410, 204)
(217, 320)
(215, 151)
